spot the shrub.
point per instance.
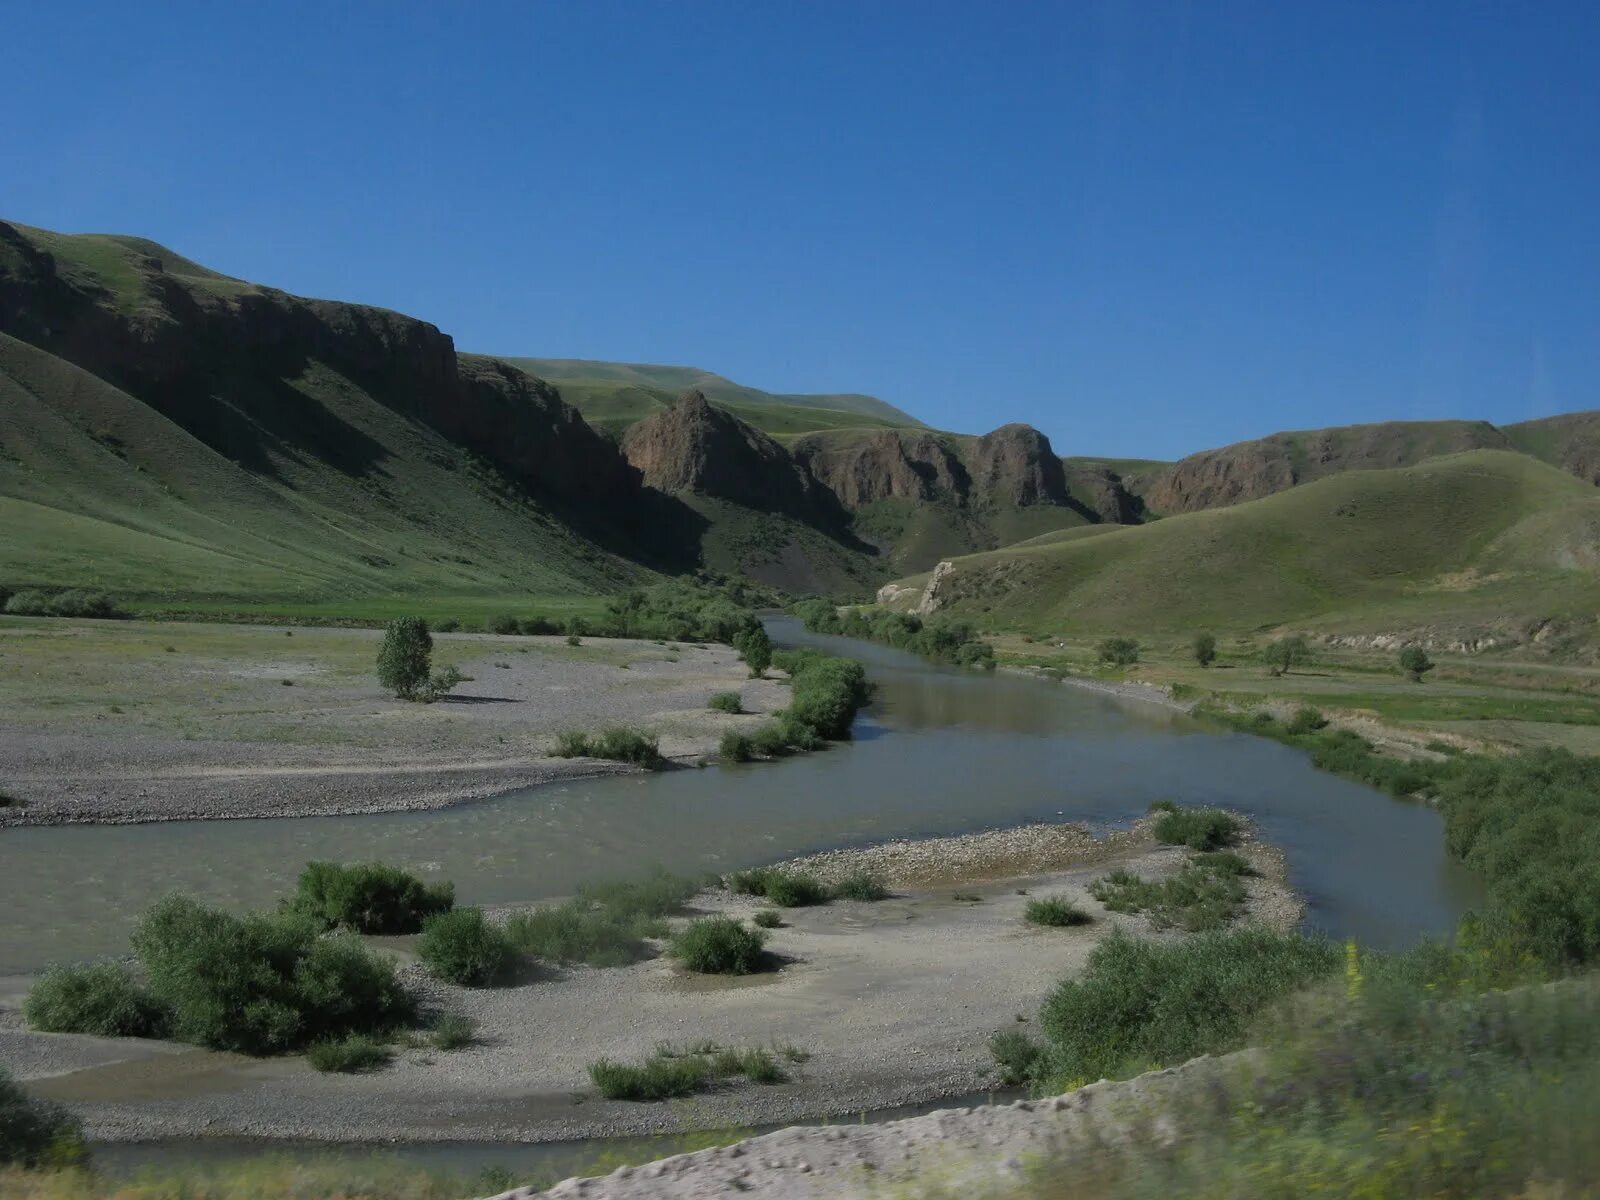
(719, 945)
(1306, 720)
(263, 984)
(404, 657)
(1205, 649)
(535, 626)
(1054, 911)
(98, 998)
(755, 647)
(619, 744)
(770, 740)
(75, 602)
(448, 625)
(860, 886)
(1016, 1054)
(452, 1031)
(1142, 1003)
(461, 946)
(1118, 651)
(825, 692)
(940, 639)
(502, 624)
(1197, 828)
(574, 640)
(786, 889)
(736, 747)
(439, 684)
(349, 1055)
(605, 925)
(768, 918)
(36, 1133)
(726, 702)
(372, 898)
(1414, 661)
(1200, 897)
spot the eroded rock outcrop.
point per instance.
(1015, 465)
(695, 447)
(884, 464)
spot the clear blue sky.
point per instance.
(1146, 228)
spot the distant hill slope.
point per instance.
(612, 396)
(1482, 540)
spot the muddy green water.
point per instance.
(940, 751)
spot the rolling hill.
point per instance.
(1482, 543)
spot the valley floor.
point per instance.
(894, 1003)
(116, 721)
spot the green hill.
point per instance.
(1474, 540)
(612, 396)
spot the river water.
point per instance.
(940, 751)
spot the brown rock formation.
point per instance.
(1015, 465)
(884, 464)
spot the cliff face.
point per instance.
(695, 448)
(886, 464)
(1015, 465)
(228, 361)
(1251, 470)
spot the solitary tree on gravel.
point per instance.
(405, 657)
(1205, 649)
(756, 647)
(1414, 661)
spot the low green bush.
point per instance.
(860, 886)
(1140, 1004)
(348, 1055)
(372, 897)
(770, 740)
(461, 946)
(1306, 720)
(605, 925)
(937, 638)
(736, 747)
(503, 623)
(452, 1031)
(75, 602)
(1054, 911)
(35, 1133)
(1118, 651)
(1016, 1055)
(618, 744)
(656, 1079)
(1202, 896)
(720, 946)
(787, 889)
(768, 918)
(263, 984)
(1197, 828)
(726, 702)
(98, 998)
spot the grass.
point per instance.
(453, 1031)
(767, 918)
(860, 886)
(34, 1132)
(719, 946)
(462, 947)
(1054, 911)
(605, 925)
(671, 1073)
(618, 744)
(349, 1055)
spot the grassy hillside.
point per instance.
(1472, 539)
(612, 396)
(99, 489)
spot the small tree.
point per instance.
(1119, 652)
(405, 657)
(1286, 653)
(1205, 649)
(756, 648)
(1414, 661)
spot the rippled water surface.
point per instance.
(940, 751)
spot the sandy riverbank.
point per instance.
(139, 721)
(894, 1002)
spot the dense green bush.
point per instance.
(1204, 648)
(461, 946)
(658, 1078)
(619, 744)
(1306, 720)
(75, 602)
(860, 886)
(1140, 1003)
(370, 897)
(98, 998)
(941, 640)
(825, 692)
(452, 1031)
(767, 918)
(726, 702)
(36, 1133)
(263, 984)
(755, 647)
(1118, 651)
(736, 747)
(1206, 894)
(1286, 653)
(503, 623)
(1053, 910)
(1197, 828)
(1414, 661)
(1016, 1054)
(719, 945)
(404, 657)
(787, 889)
(680, 610)
(350, 1054)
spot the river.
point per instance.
(940, 751)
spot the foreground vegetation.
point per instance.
(945, 641)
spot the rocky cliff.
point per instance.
(705, 451)
(862, 468)
(1015, 465)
